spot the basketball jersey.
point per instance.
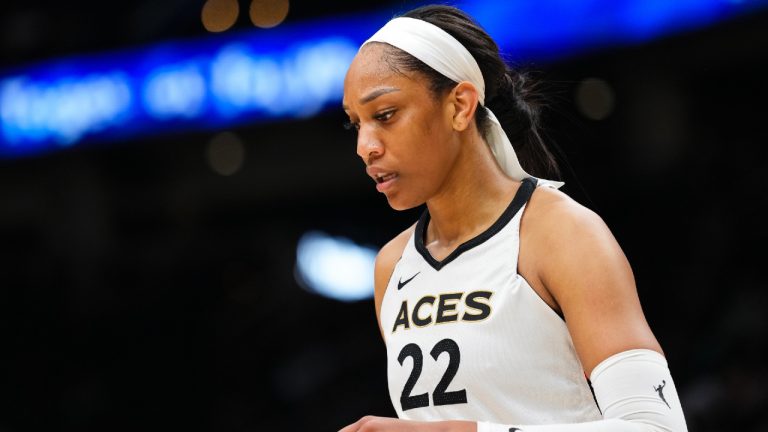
(469, 339)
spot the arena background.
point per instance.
(143, 290)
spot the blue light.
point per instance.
(335, 267)
(292, 71)
(175, 91)
(210, 85)
(297, 84)
(548, 30)
(61, 111)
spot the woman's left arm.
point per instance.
(568, 252)
(570, 255)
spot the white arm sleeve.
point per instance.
(635, 393)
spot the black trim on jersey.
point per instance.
(591, 389)
(560, 314)
(524, 192)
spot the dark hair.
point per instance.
(513, 96)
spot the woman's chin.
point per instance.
(400, 204)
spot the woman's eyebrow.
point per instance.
(376, 93)
(373, 95)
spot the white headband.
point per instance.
(443, 53)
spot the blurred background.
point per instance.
(187, 235)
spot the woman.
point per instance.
(506, 295)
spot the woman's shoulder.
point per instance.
(550, 211)
(566, 244)
(559, 232)
(573, 258)
(388, 256)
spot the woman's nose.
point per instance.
(368, 146)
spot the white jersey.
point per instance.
(469, 339)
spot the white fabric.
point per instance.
(443, 53)
(518, 364)
(636, 393)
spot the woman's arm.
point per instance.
(386, 259)
(573, 261)
(567, 253)
(636, 393)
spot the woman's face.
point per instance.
(404, 135)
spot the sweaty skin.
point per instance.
(567, 253)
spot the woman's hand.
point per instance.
(386, 424)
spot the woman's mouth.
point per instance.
(382, 178)
(384, 181)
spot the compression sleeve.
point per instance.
(635, 392)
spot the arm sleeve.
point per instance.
(635, 392)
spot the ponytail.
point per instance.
(513, 96)
(518, 104)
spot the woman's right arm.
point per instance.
(385, 265)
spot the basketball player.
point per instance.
(506, 295)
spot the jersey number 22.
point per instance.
(439, 396)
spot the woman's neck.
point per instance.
(473, 196)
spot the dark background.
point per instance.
(140, 290)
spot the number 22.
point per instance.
(439, 396)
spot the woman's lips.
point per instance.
(385, 182)
(383, 178)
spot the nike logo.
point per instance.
(515, 429)
(401, 283)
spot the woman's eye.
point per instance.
(348, 125)
(384, 116)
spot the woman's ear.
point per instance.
(464, 98)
